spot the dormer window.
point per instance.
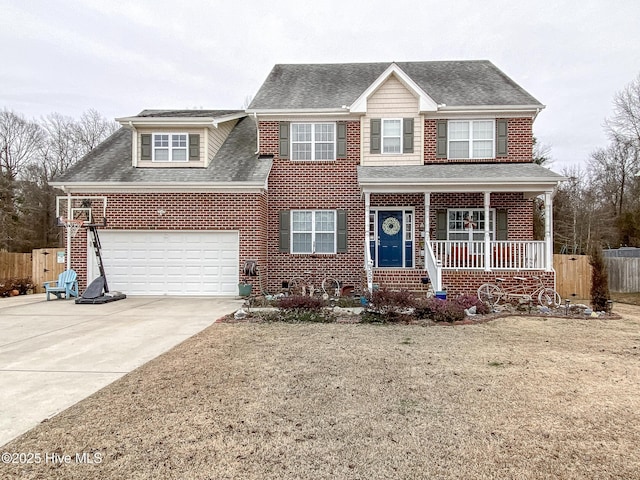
(170, 147)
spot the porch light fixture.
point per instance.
(161, 211)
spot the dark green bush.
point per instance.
(599, 280)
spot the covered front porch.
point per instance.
(436, 221)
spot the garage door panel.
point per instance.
(172, 263)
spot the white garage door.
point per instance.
(168, 262)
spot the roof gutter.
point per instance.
(148, 187)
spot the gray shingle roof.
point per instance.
(187, 113)
(458, 173)
(454, 83)
(236, 161)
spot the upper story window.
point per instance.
(471, 139)
(313, 141)
(392, 135)
(170, 147)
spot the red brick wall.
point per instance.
(315, 185)
(243, 212)
(519, 135)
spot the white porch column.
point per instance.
(427, 224)
(548, 234)
(487, 232)
(367, 230)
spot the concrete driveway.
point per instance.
(54, 354)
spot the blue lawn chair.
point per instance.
(66, 284)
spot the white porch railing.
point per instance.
(368, 264)
(503, 255)
(432, 267)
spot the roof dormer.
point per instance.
(178, 138)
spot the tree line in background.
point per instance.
(31, 154)
(599, 204)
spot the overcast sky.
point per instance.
(121, 57)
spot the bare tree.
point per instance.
(625, 122)
(612, 170)
(92, 129)
(60, 150)
(20, 141)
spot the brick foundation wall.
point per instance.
(242, 212)
(466, 282)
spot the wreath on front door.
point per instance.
(391, 226)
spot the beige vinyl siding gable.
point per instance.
(216, 137)
(393, 100)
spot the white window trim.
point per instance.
(492, 216)
(382, 136)
(470, 139)
(313, 142)
(313, 232)
(170, 147)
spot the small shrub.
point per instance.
(21, 285)
(307, 316)
(298, 308)
(468, 301)
(348, 302)
(440, 310)
(599, 280)
(299, 302)
(392, 304)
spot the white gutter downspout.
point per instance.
(134, 145)
(255, 118)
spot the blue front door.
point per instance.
(390, 238)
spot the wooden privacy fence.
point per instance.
(573, 276)
(15, 265)
(48, 263)
(624, 274)
(41, 265)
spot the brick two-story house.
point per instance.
(381, 173)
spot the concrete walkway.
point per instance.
(54, 354)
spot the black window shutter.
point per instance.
(284, 231)
(376, 126)
(501, 225)
(441, 225)
(194, 147)
(441, 133)
(407, 135)
(342, 231)
(145, 144)
(284, 140)
(501, 138)
(342, 140)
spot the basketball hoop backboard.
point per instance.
(89, 210)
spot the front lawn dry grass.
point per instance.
(513, 398)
